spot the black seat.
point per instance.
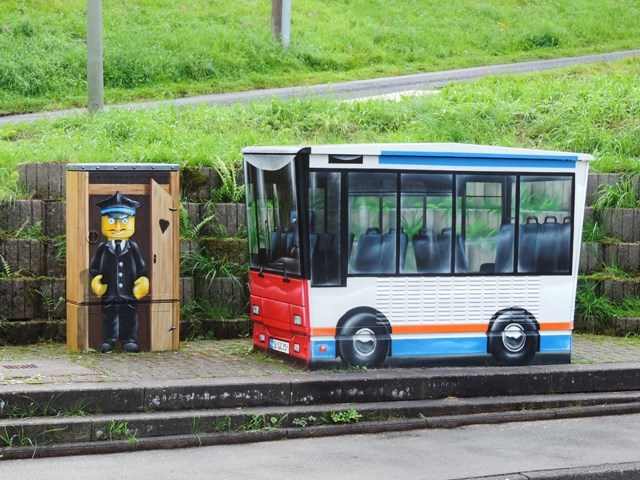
(444, 245)
(528, 245)
(278, 244)
(368, 251)
(554, 246)
(504, 249)
(388, 251)
(564, 263)
(427, 253)
(324, 257)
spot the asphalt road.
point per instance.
(506, 450)
(353, 89)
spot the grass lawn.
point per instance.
(156, 49)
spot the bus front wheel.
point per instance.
(513, 337)
(363, 341)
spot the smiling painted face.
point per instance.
(120, 228)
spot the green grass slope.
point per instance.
(161, 49)
(592, 108)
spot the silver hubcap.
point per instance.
(514, 337)
(364, 341)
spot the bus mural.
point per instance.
(369, 253)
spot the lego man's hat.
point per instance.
(118, 206)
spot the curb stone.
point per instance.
(616, 471)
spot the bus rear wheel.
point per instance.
(513, 337)
(363, 341)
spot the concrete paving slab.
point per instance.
(233, 360)
(50, 368)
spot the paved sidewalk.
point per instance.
(51, 363)
(212, 359)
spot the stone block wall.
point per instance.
(613, 266)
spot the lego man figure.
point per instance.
(119, 274)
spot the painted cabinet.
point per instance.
(123, 257)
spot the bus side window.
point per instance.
(426, 201)
(484, 206)
(325, 229)
(545, 232)
(373, 220)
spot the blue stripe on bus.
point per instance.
(477, 160)
(330, 351)
(555, 343)
(415, 347)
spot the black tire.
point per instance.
(363, 341)
(513, 337)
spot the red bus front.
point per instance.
(280, 314)
(279, 290)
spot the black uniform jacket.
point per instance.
(118, 271)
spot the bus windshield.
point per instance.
(272, 215)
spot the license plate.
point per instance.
(279, 345)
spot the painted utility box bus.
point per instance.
(366, 254)
(123, 257)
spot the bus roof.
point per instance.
(403, 149)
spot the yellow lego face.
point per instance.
(118, 228)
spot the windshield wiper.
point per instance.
(275, 265)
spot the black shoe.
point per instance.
(130, 347)
(105, 347)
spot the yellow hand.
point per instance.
(140, 287)
(97, 286)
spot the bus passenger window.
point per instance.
(373, 224)
(426, 219)
(485, 207)
(324, 229)
(546, 224)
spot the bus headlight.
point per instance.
(297, 320)
(255, 309)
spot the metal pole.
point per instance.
(95, 74)
(286, 23)
(276, 19)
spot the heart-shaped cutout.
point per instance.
(164, 224)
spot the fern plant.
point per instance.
(190, 230)
(229, 191)
(6, 271)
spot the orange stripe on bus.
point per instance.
(324, 332)
(557, 326)
(462, 328)
(466, 328)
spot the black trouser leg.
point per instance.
(128, 323)
(110, 323)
